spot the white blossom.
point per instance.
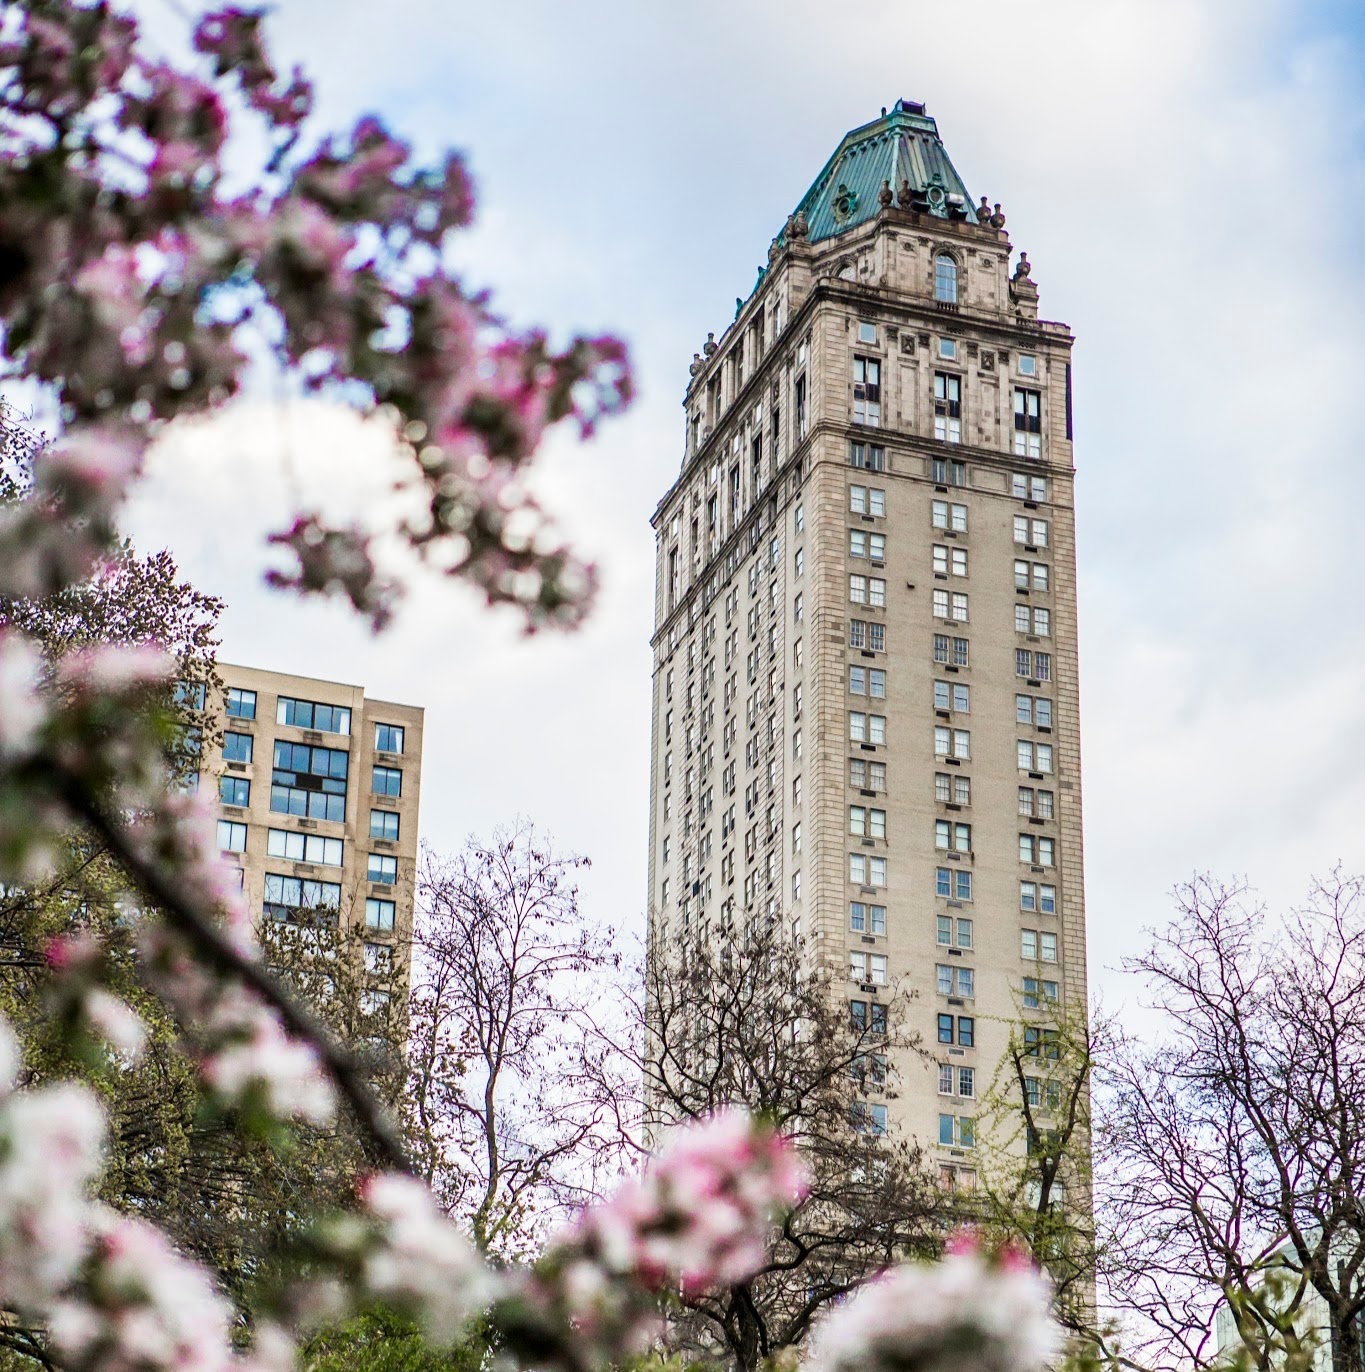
(421, 1260)
(961, 1312)
(22, 708)
(115, 1022)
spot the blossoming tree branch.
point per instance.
(134, 287)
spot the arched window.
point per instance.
(945, 279)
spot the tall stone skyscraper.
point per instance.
(866, 720)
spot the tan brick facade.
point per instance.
(330, 832)
(759, 663)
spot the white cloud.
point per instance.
(1186, 176)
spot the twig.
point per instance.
(216, 950)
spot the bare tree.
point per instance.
(509, 1103)
(1232, 1148)
(1035, 1170)
(743, 1021)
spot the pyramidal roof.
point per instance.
(903, 148)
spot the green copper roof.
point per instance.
(900, 147)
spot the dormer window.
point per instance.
(945, 279)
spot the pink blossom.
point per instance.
(702, 1213)
(117, 669)
(152, 1308)
(115, 1022)
(22, 707)
(256, 1060)
(964, 1311)
(52, 1145)
(419, 1259)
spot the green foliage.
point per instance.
(379, 1341)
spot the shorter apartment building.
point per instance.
(318, 789)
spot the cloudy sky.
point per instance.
(1186, 176)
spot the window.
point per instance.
(868, 1118)
(1044, 1043)
(382, 868)
(283, 843)
(868, 456)
(1026, 487)
(308, 714)
(862, 543)
(1033, 710)
(952, 837)
(945, 279)
(1028, 423)
(878, 963)
(1028, 364)
(954, 980)
(952, 742)
(309, 781)
(388, 738)
(949, 560)
(952, 883)
(379, 959)
(947, 407)
(231, 836)
(950, 605)
(876, 591)
(1037, 667)
(947, 347)
(1037, 850)
(961, 1030)
(1035, 804)
(946, 473)
(379, 913)
(864, 500)
(1041, 898)
(1039, 622)
(951, 789)
(953, 650)
(1030, 575)
(867, 333)
(867, 391)
(388, 781)
(1037, 945)
(1038, 993)
(952, 695)
(866, 871)
(241, 704)
(948, 516)
(953, 933)
(189, 695)
(957, 1131)
(1032, 533)
(866, 919)
(237, 747)
(857, 966)
(1034, 757)
(234, 791)
(286, 895)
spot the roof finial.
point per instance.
(1021, 272)
(885, 196)
(983, 213)
(905, 193)
(710, 345)
(998, 218)
(697, 364)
